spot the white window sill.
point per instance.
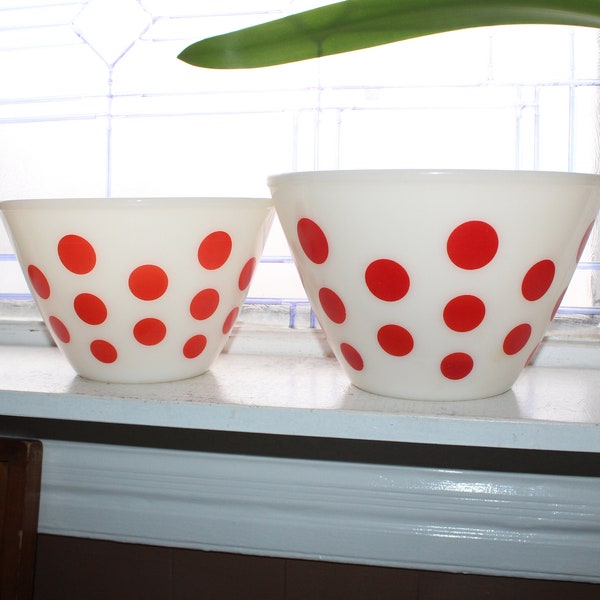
(548, 408)
(503, 522)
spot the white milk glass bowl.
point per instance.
(138, 290)
(435, 284)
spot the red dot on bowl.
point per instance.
(230, 320)
(464, 313)
(584, 240)
(246, 274)
(204, 304)
(387, 280)
(456, 365)
(90, 309)
(537, 280)
(352, 356)
(472, 245)
(39, 282)
(60, 329)
(313, 241)
(214, 250)
(148, 282)
(103, 351)
(332, 304)
(150, 331)
(395, 340)
(516, 339)
(76, 254)
(194, 346)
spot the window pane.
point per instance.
(94, 103)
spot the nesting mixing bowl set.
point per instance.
(428, 285)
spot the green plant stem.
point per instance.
(357, 24)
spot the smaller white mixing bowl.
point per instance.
(139, 290)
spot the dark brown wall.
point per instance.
(79, 569)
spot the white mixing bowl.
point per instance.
(435, 285)
(139, 290)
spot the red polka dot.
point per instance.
(333, 305)
(76, 254)
(395, 340)
(387, 280)
(246, 274)
(149, 331)
(104, 351)
(464, 313)
(38, 282)
(472, 245)
(516, 339)
(313, 241)
(583, 242)
(148, 282)
(538, 280)
(456, 366)
(90, 309)
(204, 304)
(194, 346)
(214, 250)
(230, 320)
(352, 356)
(60, 329)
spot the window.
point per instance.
(95, 103)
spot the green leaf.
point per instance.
(356, 24)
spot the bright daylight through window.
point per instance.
(94, 103)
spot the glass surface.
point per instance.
(95, 103)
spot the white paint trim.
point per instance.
(24, 332)
(464, 521)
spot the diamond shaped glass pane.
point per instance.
(111, 26)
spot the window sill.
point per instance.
(548, 408)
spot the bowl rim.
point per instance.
(136, 203)
(494, 176)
